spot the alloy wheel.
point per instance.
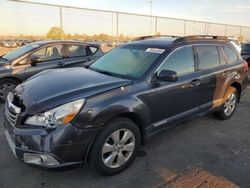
(118, 148)
(230, 104)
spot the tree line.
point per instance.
(57, 33)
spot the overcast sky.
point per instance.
(225, 11)
(22, 18)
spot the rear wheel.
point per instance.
(116, 147)
(7, 85)
(230, 104)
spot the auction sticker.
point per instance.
(155, 50)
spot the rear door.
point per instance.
(212, 70)
(79, 55)
(49, 57)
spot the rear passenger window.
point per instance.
(208, 56)
(180, 61)
(77, 51)
(230, 54)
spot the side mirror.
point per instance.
(167, 75)
(34, 60)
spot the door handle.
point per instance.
(61, 63)
(195, 83)
(87, 60)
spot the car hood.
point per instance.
(52, 88)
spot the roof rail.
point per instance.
(200, 37)
(153, 36)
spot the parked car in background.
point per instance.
(20, 42)
(102, 114)
(25, 42)
(245, 53)
(26, 61)
(235, 42)
(1, 43)
(9, 44)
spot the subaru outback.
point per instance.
(102, 115)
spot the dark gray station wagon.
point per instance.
(24, 62)
(101, 115)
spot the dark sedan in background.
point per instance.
(26, 61)
(245, 53)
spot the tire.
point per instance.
(7, 85)
(231, 100)
(108, 160)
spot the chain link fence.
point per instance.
(37, 20)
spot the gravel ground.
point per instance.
(202, 152)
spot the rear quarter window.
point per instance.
(208, 56)
(93, 49)
(231, 56)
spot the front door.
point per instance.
(48, 57)
(170, 101)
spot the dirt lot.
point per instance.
(203, 152)
(5, 50)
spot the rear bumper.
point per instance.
(50, 149)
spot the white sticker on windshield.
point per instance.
(155, 50)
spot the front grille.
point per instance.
(245, 56)
(10, 116)
(11, 111)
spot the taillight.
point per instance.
(245, 65)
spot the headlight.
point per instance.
(58, 116)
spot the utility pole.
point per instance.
(61, 23)
(151, 12)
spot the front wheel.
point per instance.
(116, 146)
(230, 104)
(7, 85)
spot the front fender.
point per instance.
(102, 108)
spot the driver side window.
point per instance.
(48, 53)
(180, 61)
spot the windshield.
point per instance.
(127, 61)
(246, 47)
(19, 51)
